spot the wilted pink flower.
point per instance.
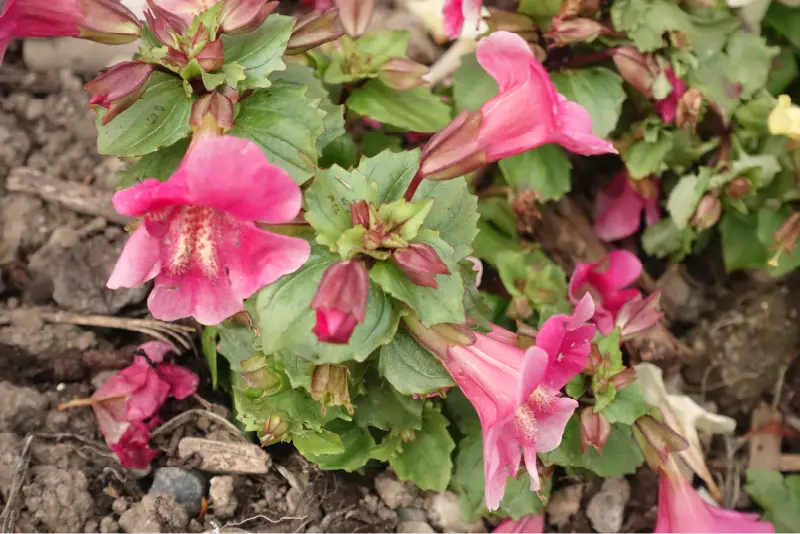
(125, 406)
(341, 301)
(667, 107)
(526, 113)
(117, 88)
(606, 281)
(198, 238)
(457, 13)
(529, 524)
(516, 392)
(618, 208)
(638, 315)
(680, 509)
(105, 21)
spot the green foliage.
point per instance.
(425, 459)
(646, 21)
(382, 406)
(628, 406)
(597, 89)
(259, 52)
(472, 86)
(209, 345)
(410, 368)
(544, 170)
(416, 110)
(779, 496)
(363, 58)
(160, 165)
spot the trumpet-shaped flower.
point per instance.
(516, 392)
(105, 21)
(526, 113)
(618, 209)
(198, 238)
(680, 509)
(607, 282)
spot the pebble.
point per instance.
(155, 513)
(185, 485)
(411, 527)
(108, 525)
(564, 504)
(394, 492)
(119, 506)
(606, 509)
(222, 499)
(225, 456)
(444, 511)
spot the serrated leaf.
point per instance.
(741, 248)
(628, 406)
(544, 170)
(443, 304)
(597, 89)
(683, 200)
(297, 368)
(664, 239)
(285, 125)
(472, 86)
(382, 406)
(160, 165)
(646, 21)
(236, 344)
(454, 215)
(779, 496)
(356, 441)
(159, 119)
(259, 52)
(643, 158)
(410, 368)
(416, 109)
(426, 460)
(391, 172)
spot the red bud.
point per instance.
(637, 69)
(314, 29)
(104, 21)
(402, 73)
(359, 213)
(244, 16)
(738, 187)
(421, 264)
(595, 430)
(212, 112)
(567, 32)
(117, 88)
(707, 213)
(341, 301)
(211, 58)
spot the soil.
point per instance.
(56, 474)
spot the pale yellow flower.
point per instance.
(785, 119)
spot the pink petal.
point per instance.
(192, 294)
(112, 426)
(156, 350)
(146, 401)
(621, 218)
(256, 258)
(531, 524)
(151, 195)
(453, 18)
(623, 269)
(125, 382)
(501, 459)
(334, 326)
(583, 312)
(652, 211)
(550, 424)
(617, 299)
(138, 263)
(604, 320)
(182, 382)
(575, 130)
(534, 367)
(132, 448)
(232, 175)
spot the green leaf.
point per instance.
(312, 443)
(297, 368)
(741, 248)
(385, 43)
(454, 215)
(474, 304)
(576, 387)
(236, 344)
(472, 86)
(391, 172)
(768, 223)
(461, 412)
(778, 496)
(544, 170)
(209, 344)
(628, 406)
(597, 89)
(784, 20)
(356, 441)
(645, 21)
(664, 239)
(159, 119)
(443, 304)
(783, 72)
(410, 368)
(382, 406)
(341, 151)
(426, 460)
(260, 52)
(416, 110)
(285, 319)
(373, 143)
(643, 158)
(683, 199)
(540, 8)
(621, 455)
(160, 165)
(533, 276)
(285, 125)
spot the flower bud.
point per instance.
(656, 440)
(211, 58)
(420, 263)
(567, 32)
(359, 214)
(274, 428)
(638, 315)
(690, 106)
(402, 73)
(786, 236)
(257, 375)
(637, 69)
(595, 430)
(164, 24)
(707, 212)
(212, 114)
(341, 301)
(244, 16)
(511, 21)
(738, 187)
(572, 8)
(117, 88)
(624, 379)
(329, 386)
(355, 15)
(454, 151)
(312, 30)
(105, 21)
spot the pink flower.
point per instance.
(319, 5)
(105, 21)
(198, 238)
(126, 405)
(639, 315)
(680, 509)
(516, 392)
(667, 107)
(618, 209)
(526, 113)
(341, 301)
(530, 524)
(606, 281)
(457, 13)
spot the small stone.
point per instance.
(606, 509)
(411, 527)
(119, 506)
(58, 498)
(185, 485)
(108, 525)
(394, 492)
(10, 445)
(226, 457)
(91, 526)
(564, 504)
(444, 512)
(411, 514)
(22, 409)
(155, 513)
(222, 499)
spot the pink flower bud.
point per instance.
(567, 32)
(211, 58)
(329, 386)
(738, 187)
(244, 16)
(707, 212)
(454, 150)
(117, 88)
(402, 73)
(639, 70)
(638, 315)
(312, 30)
(341, 301)
(212, 113)
(355, 15)
(624, 379)
(595, 430)
(421, 264)
(164, 24)
(359, 213)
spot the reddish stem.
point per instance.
(413, 186)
